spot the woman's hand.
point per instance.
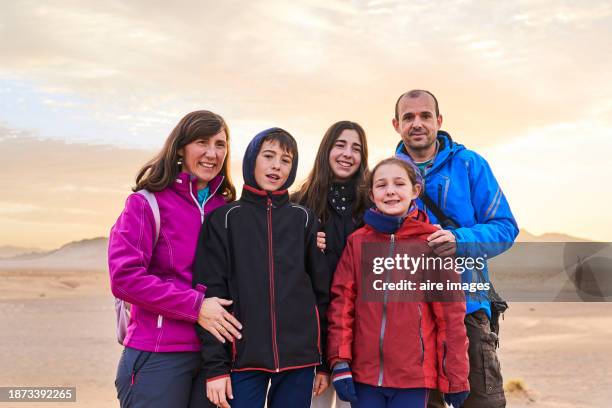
(218, 321)
(321, 241)
(321, 384)
(219, 391)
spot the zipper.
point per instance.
(421, 333)
(440, 196)
(160, 320)
(383, 324)
(200, 207)
(272, 302)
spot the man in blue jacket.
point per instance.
(462, 186)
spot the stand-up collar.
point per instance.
(388, 224)
(261, 197)
(184, 180)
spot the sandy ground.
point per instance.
(57, 329)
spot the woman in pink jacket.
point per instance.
(152, 269)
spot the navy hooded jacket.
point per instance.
(261, 252)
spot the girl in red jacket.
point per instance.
(385, 352)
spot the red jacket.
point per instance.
(390, 343)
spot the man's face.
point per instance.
(417, 123)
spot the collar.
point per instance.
(388, 224)
(341, 196)
(188, 184)
(258, 196)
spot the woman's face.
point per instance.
(392, 190)
(203, 158)
(345, 155)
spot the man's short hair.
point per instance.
(415, 93)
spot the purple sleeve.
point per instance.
(130, 247)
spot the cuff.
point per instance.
(197, 305)
(217, 377)
(450, 388)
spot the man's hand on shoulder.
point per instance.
(443, 242)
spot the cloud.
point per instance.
(555, 178)
(508, 76)
(128, 71)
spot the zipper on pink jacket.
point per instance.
(197, 203)
(272, 301)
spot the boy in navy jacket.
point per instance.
(261, 252)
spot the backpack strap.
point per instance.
(445, 220)
(150, 197)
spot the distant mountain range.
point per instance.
(10, 251)
(525, 236)
(90, 254)
(87, 255)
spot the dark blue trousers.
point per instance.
(160, 380)
(370, 396)
(291, 388)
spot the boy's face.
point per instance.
(272, 166)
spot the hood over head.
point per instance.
(250, 156)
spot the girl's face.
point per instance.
(204, 158)
(392, 190)
(345, 155)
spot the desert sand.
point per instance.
(58, 330)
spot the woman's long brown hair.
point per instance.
(314, 191)
(163, 169)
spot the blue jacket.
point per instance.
(463, 186)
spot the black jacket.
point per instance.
(340, 222)
(261, 252)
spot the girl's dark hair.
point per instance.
(411, 170)
(162, 170)
(313, 192)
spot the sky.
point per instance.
(89, 91)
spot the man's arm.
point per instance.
(495, 229)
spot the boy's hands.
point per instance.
(218, 321)
(321, 240)
(219, 391)
(321, 384)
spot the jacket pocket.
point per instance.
(444, 358)
(422, 342)
(234, 346)
(318, 331)
(160, 318)
(492, 370)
